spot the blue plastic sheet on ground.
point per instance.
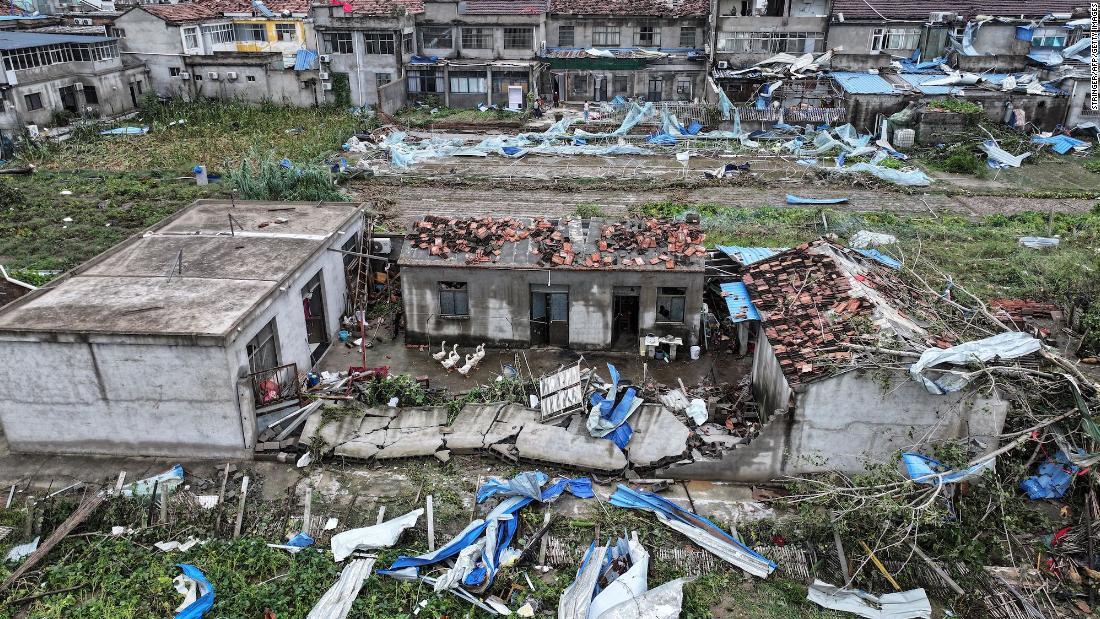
(694, 127)
(611, 423)
(1052, 480)
(530, 484)
(882, 258)
(662, 139)
(125, 131)
(301, 540)
(739, 554)
(1060, 144)
(793, 199)
(925, 470)
(204, 601)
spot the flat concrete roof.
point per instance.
(187, 275)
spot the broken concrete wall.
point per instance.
(119, 395)
(769, 387)
(391, 96)
(728, 46)
(842, 422)
(500, 304)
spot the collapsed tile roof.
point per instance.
(383, 8)
(540, 243)
(502, 7)
(649, 8)
(815, 297)
(906, 9)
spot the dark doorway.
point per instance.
(601, 89)
(133, 94)
(550, 316)
(68, 99)
(313, 306)
(624, 318)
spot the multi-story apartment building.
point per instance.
(46, 76)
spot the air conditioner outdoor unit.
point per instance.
(323, 75)
(184, 75)
(940, 17)
(326, 86)
(82, 21)
(723, 64)
(380, 247)
(325, 58)
(212, 75)
(232, 75)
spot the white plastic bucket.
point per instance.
(695, 353)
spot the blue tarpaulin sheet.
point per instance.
(661, 138)
(1052, 480)
(738, 302)
(922, 469)
(793, 199)
(862, 83)
(205, 601)
(530, 484)
(301, 540)
(693, 128)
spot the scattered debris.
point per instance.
(337, 601)
(198, 593)
(382, 535)
(906, 605)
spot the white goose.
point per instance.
(479, 354)
(453, 359)
(442, 354)
(471, 363)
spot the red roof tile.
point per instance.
(817, 296)
(382, 8)
(653, 8)
(907, 9)
(503, 7)
(212, 9)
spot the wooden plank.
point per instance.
(240, 508)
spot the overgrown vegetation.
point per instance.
(263, 177)
(958, 160)
(955, 105)
(184, 134)
(427, 115)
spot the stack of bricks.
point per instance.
(480, 239)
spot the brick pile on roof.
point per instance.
(820, 295)
(580, 244)
(907, 9)
(648, 8)
(503, 7)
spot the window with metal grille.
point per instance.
(286, 32)
(670, 304)
(566, 36)
(381, 79)
(453, 299)
(263, 350)
(518, 38)
(219, 33)
(477, 38)
(437, 37)
(191, 38)
(604, 35)
(687, 37)
(468, 83)
(894, 38)
(380, 43)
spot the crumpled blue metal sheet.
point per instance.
(305, 60)
(862, 83)
(530, 484)
(925, 470)
(740, 305)
(205, 601)
(1052, 480)
(748, 255)
(875, 254)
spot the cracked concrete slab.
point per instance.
(470, 427)
(349, 425)
(658, 434)
(510, 421)
(558, 445)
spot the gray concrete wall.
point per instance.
(392, 96)
(628, 26)
(729, 25)
(843, 422)
(271, 82)
(637, 81)
(116, 395)
(500, 304)
(770, 389)
(361, 67)
(157, 44)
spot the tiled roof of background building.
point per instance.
(502, 7)
(907, 9)
(210, 9)
(652, 8)
(818, 296)
(385, 8)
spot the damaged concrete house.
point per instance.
(652, 50)
(820, 411)
(583, 283)
(227, 49)
(50, 74)
(170, 343)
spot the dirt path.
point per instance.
(411, 202)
